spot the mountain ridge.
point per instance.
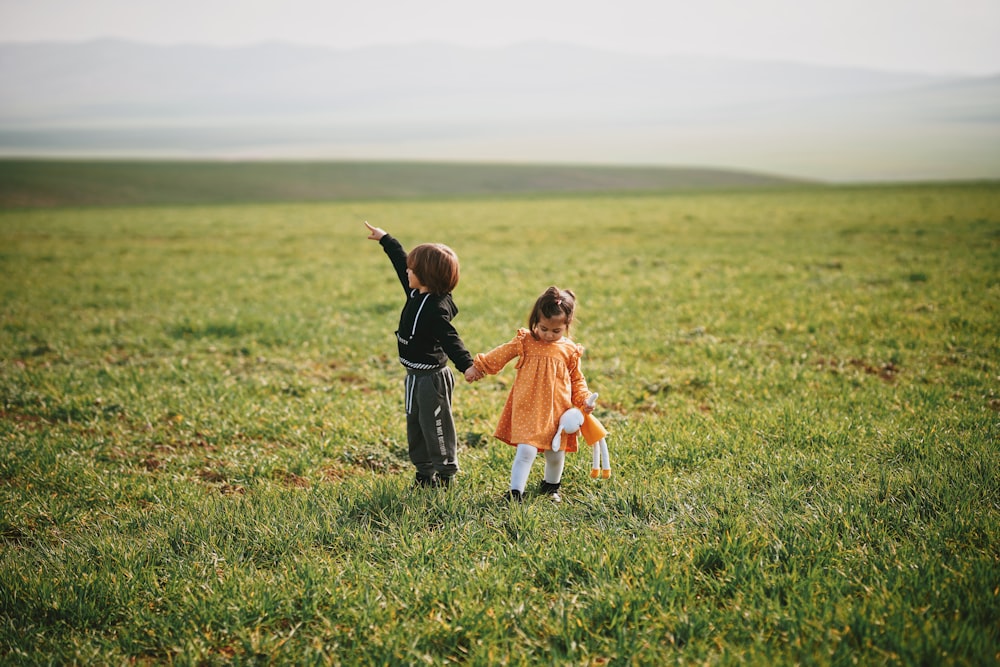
(534, 101)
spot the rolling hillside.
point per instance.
(530, 103)
(45, 183)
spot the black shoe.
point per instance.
(424, 481)
(513, 496)
(551, 490)
(442, 482)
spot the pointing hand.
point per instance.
(374, 232)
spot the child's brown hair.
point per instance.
(553, 302)
(436, 267)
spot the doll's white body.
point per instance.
(574, 421)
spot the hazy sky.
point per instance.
(937, 36)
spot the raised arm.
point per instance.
(394, 250)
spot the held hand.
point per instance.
(374, 233)
(472, 374)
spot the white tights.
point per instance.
(523, 459)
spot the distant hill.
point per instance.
(534, 102)
(55, 183)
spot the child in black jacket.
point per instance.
(426, 339)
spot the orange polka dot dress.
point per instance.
(548, 382)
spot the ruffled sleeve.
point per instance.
(578, 383)
(492, 362)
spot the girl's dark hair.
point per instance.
(553, 302)
(436, 267)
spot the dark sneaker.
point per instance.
(551, 490)
(425, 481)
(513, 496)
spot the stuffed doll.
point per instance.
(569, 427)
(574, 422)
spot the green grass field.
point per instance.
(204, 458)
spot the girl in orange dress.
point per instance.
(549, 382)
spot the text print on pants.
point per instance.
(440, 432)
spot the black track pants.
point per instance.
(430, 428)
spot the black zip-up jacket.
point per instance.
(426, 337)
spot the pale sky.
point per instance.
(933, 36)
